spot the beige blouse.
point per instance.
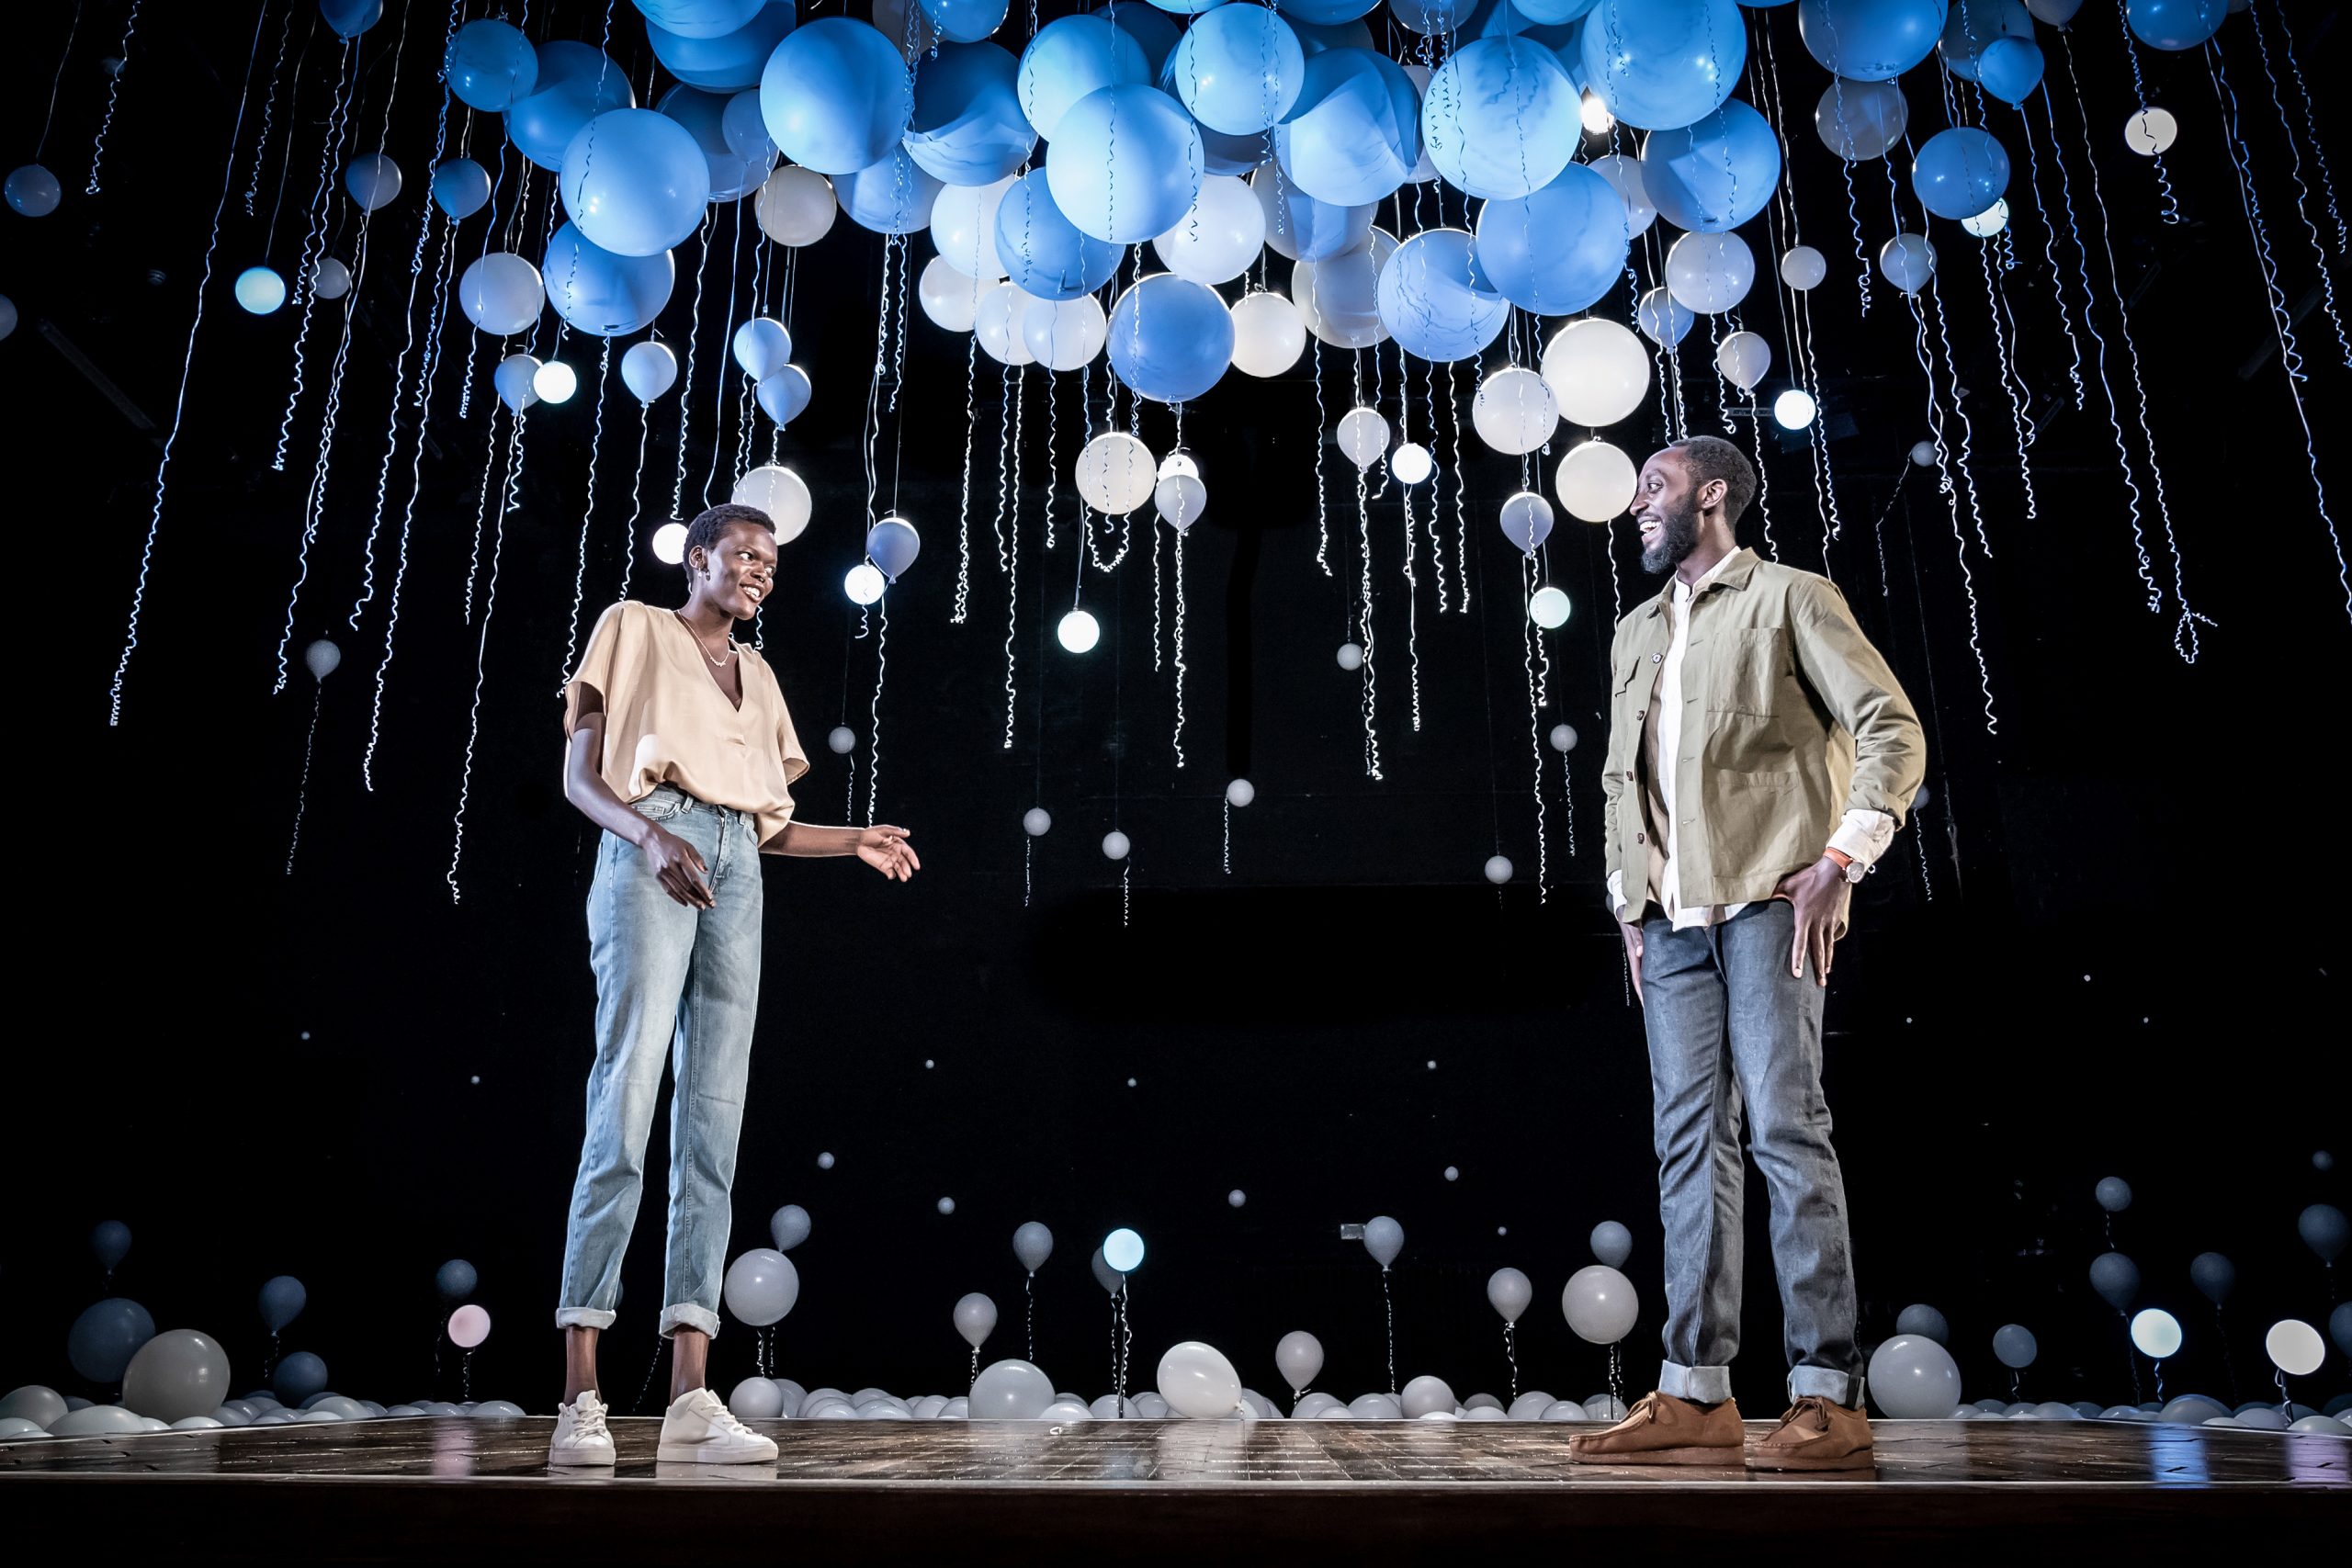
(666, 721)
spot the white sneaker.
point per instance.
(581, 1437)
(698, 1429)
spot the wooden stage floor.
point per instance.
(464, 1490)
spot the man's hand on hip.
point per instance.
(1816, 893)
(1631, 932)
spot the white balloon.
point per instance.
(1596, 481)
(963, 225)
(1710, 273)
(951, 298)
(756, 1399)
(1351, 656)
(1217, 239)
(1180, 499)
(2294, 1347)
(975, 1319)
(1010, 1391)
(1115, 844)
(1498, 869)
(1116, 473)
(1063, 334)
(1507, 1292)
(1625, 174)
(1036, 822)
(1267, 335)
(1598, 371)
(1742, 358)
(1549, 608)
(1526, 520)
(2150, 130)
(996, 321)
(1079, 631)
(330, 279)
(1198, 1381)
(1599, 1303)
(1411, 463)
(1425, 1397)
(1339, 297)
(1514, 410)
(1363, 435)
(1803, 267)
(779, 493)
(1908, 261)
(1298, 1355)
(796, 206)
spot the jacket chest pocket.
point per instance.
(1746, 670)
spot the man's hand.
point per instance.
(1818, 893)
(886, 851)
(679, 868)
(1633, 935)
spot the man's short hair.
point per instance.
(1712, 457)
(711, 522)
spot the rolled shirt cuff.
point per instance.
(1862, 836)
(1700, 1385)
(1617, 893)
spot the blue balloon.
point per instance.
(964, 21)
(1223, 154)
(461, 186)
(576, 83)
(1070, 57)
(2014, 1345)
(730, 61)
(1187, 7)
(704, 115)
(1505, 19)
(1239, 69)
(699, 19)
(836, 95)
(1355, 133)
(636, 181)
(2175, 24)
(2213, 1275)
(1043, 251)
(1971, 27)
(746, 132)
(1435, 17)
(109, 1243)
(1715, 173)
(2116, 1278)
(1558, 13)
(967, 128)
(1500, 117)
(455, 1279)
(893, 197)
(1558, 250)
(1870, 40)
(1126, 165)
(282, 1300)
(601, 292)
(1327, 13)
(490, 65)
(1150, 28)
(351, 18)
(1960, 172)
(260, 290)
(299, 1377)
(103, 1339)
(2010, 69)
(1925, 1322)
(1662, 63)
(1314, 38)
(1430, 304)
(784, 395)
(892, 545)
(1170, 338)
(1302, 228)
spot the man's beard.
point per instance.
(1676, 539)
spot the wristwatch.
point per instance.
(1855, 870)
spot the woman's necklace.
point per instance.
(716, 662)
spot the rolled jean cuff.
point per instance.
(686, 1315)
(1700, 1385)
(1825, 1382)
(583, 1317)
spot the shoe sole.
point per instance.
(1720, 1458)
(698, 1453)
(575, 1457)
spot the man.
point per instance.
(1761, 757)
(682, 750)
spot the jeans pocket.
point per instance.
(659, 807)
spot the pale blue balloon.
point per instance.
(1169, 340)
(1122, 1249)
(1662, 318)
(576, 83)
(699, 19)
(635, 181)
(1500, 117)
(455, 1279)
(1430, 304)
(730, 61)
(648, 370)
(1434, 17)
(893, 545)
(2010, 69)
(489, 64)
(2176, 25)
(1661, 63)
(1149, 27)
(1714, 174)
(1969, 28)
(1558, 250)
(1043, 251)
(1960, 172)
(1302, 228)
(1187, 7)
(601, 292)
(967, 128)
(260, 290)
(1870, 40)
(1125, 163)
(704, 115)
(1504, 18)
(2213, 1275)
(461, 186)
(893, 197)
(1923, 1322)
(106, 1335)
(1355, 133)
(2116, 1278)
(1223, 154)
(1239, 69)
(964, 21)
(1071, 57)
(1327, 13)
(745, 130)
(282, 1300)
(784, 397)
(1555, 13)
(836, 95)
(1314, 37)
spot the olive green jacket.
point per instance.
(1792, 719)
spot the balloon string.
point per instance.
(1322, 435)
(1126, 1344)
(2170, 211)
(964, 508)
(313, 249)
(1388, 1313)
(465, 1375)
(302, 790)
(1029, 1315)
(587, 516)
(1530, 651)
(114, 89)
(975, 1370)
(651, 1367)
(1510, 1353)
(693, 343)
(481, 651)
(1616, 1379)
(726, 324)
(2050, 248)
(2302, 192)
(1008, 536)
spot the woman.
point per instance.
(681, 749)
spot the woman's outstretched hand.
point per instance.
(886, 851)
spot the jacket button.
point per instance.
(1641, 715)
(1641, 837)
(1629, 775)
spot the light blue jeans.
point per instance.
(684, 981)
(1731, 1028)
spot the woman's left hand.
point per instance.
(886, 851)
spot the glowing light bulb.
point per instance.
(555, 382)
(1079, 631)
(1793, 409)
(260, 290)
(670, 543)
(1548, 608)
(1178, 464)
(1411, 463)
(1596, 115)
(1989, 222)
(864, 583)
(2150, 130)
(1123, 1250)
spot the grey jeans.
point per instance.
(1731, 1028)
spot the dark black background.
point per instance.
(2105, 947)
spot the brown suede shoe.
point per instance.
(1817, 1434)
(1662, 1429)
